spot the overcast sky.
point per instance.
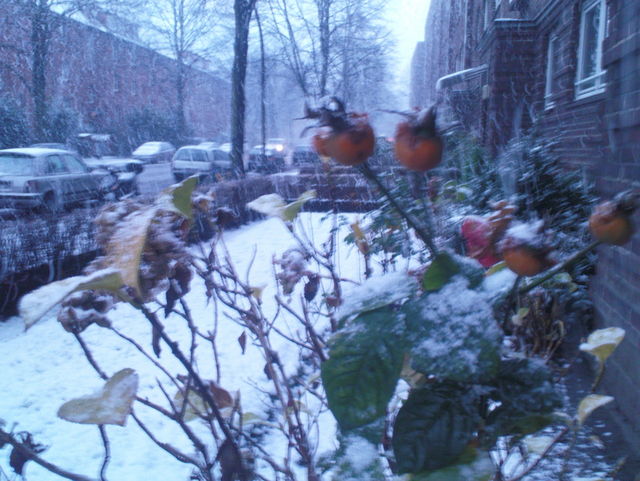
(407, 20)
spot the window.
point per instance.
(590, 75)
(74, 165)
(487, 14)
(55, 165)
(553, 66)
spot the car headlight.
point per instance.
(279, 148)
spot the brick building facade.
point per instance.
(104, 77)
(573, 68)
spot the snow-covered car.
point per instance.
(304, 154)
(153, 152)
(53, 145)
(266, 160)
(47, 179)
(124, 173)
(204, 162)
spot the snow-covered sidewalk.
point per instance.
(44, 367)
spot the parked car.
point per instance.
(124, 173)
(279, 145)
(48, 179)
(209, 145)
(207, 163)
(304, 154)
(53, 145)
(153, 152)
(267, 160)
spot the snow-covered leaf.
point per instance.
(589, 404)
(538, 444)
(257, 291)
(37, 303)
(110, 405)
(453, 334)
(519, 316)
(269, 204)
(124, 250)
(274, 205)
(603, 342)
(376, 292)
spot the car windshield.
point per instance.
(192, 154)
(16, 164)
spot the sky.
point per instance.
(407, 20)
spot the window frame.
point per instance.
(598, 78)
(550, 74)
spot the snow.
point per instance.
(376, 292)
(45, 367)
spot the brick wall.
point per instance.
(105, 77)
(598, 135)
(616, 287)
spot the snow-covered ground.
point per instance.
(45, 367)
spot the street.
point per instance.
(154, 178)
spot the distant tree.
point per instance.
(334, 46)
(14, 128)
(242, 10)
(42, 18)
(147, 125)
(182, 28)
(60, 125)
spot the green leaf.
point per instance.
(447, 265)
(527, 396)
(363, 368)
(36, 304)
(473, 465)
(110, 405)
(196, 407)
(500, 266)
(589, 404)
(433, 427)
(291, 211)
(181, 196)
(453, 334)
(603, 342)
(439, 272)
(124, 250)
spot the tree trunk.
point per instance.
(242, 10)
(40, 29)
(181, 84)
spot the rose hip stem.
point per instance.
(569, 261)
(415, 225)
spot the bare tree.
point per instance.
(332, 45)
(182, 28)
